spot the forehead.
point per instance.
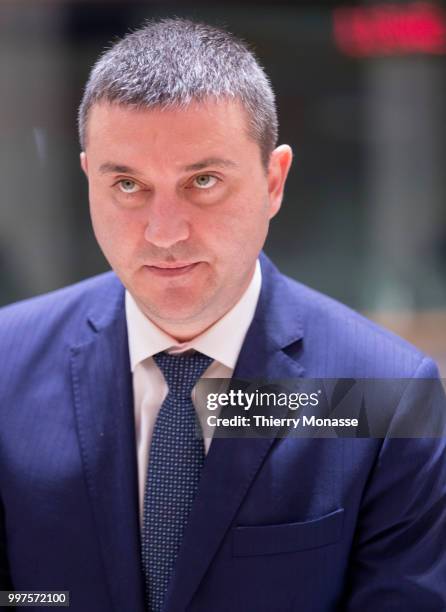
(210, 126)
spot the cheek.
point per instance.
(245, 220)
(236, 234)
(116, 230)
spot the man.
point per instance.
(103, 491)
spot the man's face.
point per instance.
(180, 204)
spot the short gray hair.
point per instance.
(172, 62)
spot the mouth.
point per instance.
(170, 270)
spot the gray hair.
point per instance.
(170, 63)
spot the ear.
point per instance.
(84, 163)
(279, 165)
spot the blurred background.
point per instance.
(361, 91)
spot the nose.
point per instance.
(167, 222)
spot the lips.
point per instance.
(172, 269)
(172, 266)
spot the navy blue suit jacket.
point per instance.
(313, 525)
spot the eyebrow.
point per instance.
(210, 161)
(110, 167)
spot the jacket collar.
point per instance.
(277, 325)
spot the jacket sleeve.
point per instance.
(398, 561)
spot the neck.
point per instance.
(184, 331)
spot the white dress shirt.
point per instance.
(222, 342)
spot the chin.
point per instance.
(177, 302)
(173, 311)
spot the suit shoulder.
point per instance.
(37, 335)
(351, 343)
(336, 312)
(74, 300)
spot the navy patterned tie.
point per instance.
(175, 461)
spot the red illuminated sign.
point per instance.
(390, 29)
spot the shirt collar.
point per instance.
(222, 341)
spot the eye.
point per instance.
(205, 181)
(128, 186)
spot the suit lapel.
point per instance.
(232, 464)
(103, 405)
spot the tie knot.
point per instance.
(182, 371)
